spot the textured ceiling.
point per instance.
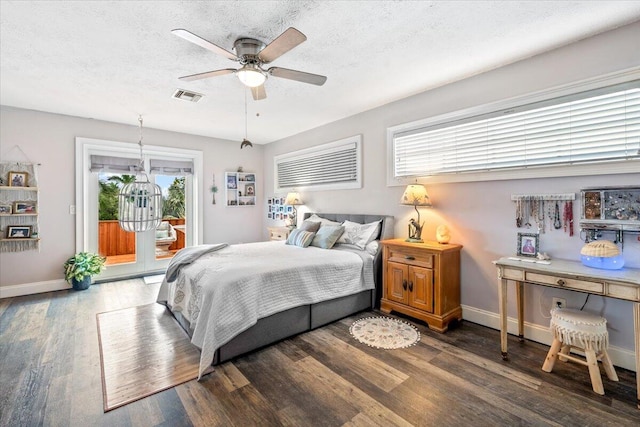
(114, 60)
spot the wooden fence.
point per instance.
(113, 240)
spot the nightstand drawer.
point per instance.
(279, 233)
(410, 256)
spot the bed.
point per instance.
(250, 324)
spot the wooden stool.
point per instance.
(584, 331)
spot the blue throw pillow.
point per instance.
(327, 236)
(300, 238)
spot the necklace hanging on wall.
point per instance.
(556, 221)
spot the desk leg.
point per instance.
(502, 296)
(636, 333)
(520, 302)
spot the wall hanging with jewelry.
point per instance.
(607, 210)
(545, 212)
(541, 213)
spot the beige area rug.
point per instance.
(384, 332)
(143, 351)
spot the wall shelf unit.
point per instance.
(18, 208)
(240, 189)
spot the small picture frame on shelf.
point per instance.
(5, 209)
(18, 179)
(18, 231)
(24, 208)
(232, 183)
(249, 189)
(250, 177)
(528, 244)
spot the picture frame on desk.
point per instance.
(528, 244)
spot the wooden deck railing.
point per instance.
(113, 240)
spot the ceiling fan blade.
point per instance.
(281, 45)
(200, 76)
(258, 93)
(189, 36)
(301, 76)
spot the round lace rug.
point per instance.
(384, 332)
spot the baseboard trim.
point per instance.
(619, 356)
(33, 288)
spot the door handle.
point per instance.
(409, 257)
(561, 282)
(410, 286)
(404, 285)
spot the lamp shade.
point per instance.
(293, 199)
(415, 195)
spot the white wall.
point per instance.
(49, 139)
(480, 214)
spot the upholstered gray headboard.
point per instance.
(386, 232)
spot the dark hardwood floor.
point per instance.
(50, 375)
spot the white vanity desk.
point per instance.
(572, 275)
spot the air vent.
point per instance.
(187, 96)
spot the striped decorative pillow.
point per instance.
(300, 238)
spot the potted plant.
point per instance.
(79, 269)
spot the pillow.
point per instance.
(309, 226)
(359, 234)
(322, 221)
(327, 235)
(300, 238)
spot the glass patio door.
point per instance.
(134, 254)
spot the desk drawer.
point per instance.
(512, 273)
(580, 285)
(623, 291)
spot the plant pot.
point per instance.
(81, 285)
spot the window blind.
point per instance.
(599, 125)
(115, 164)
(333, 165)
(171, 167)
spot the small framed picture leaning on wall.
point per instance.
(5, 209)
(528, 244)
(18, 231)
(18, 179)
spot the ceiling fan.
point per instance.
(252, 54)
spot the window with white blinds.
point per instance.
(329, 166)
(594, 126)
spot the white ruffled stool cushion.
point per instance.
(579, 329)
(584, 331)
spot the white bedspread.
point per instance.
(224, 292)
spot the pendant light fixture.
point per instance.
(245, 142)
(140, 202)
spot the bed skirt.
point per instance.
(288, 323)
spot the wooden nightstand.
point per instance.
(279, 233)
(422, 280)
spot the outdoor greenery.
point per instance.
(173, 203)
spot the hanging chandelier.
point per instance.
(245, 142)
(140, 202)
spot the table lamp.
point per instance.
(293, 199)
(415, 195)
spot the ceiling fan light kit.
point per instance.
(252, 54)
(251, 75)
